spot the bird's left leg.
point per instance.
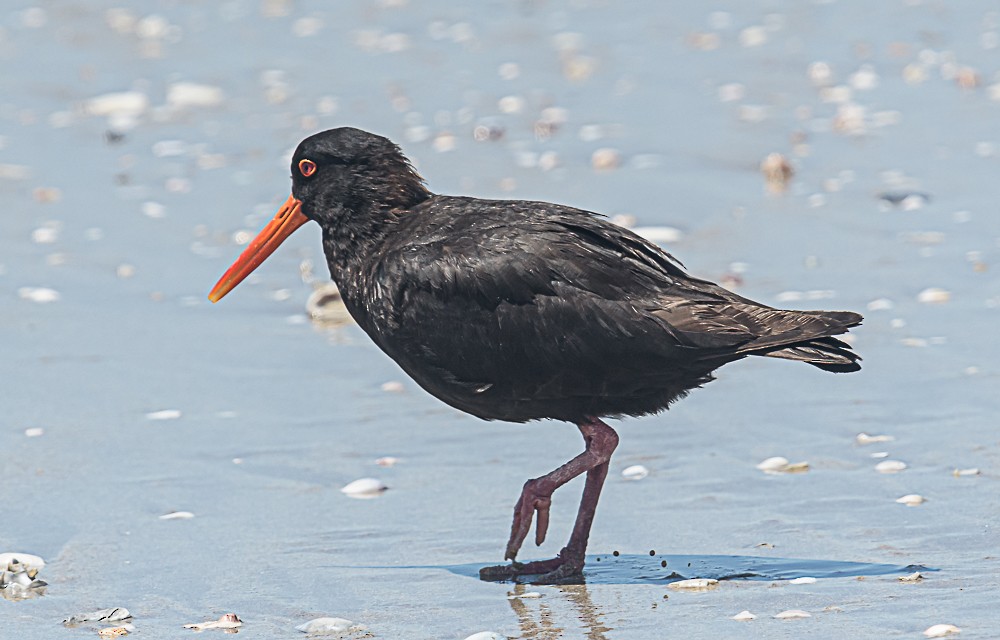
(536, 498)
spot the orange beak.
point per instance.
(288, 219)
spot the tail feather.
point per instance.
(824, 352)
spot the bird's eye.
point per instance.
(307, 167)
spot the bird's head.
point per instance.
(340, 177)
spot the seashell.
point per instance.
(934, 295)
(323, 626)
(635, 472)
(744, 616)
(694, 584)
(20, 561)
(182, 95)
(778, 464)
(792, 614)
(803, 580)
(916, 576)
(40, 295)
(864, 438)
(660, 235)
(890, 466)
(177, 515)
(605, 159)
(115, 632)
(965, 472)
(911, 500)
(941, 630)
(34, 432)
(113, 614)
(228, 621)
(386, 461)
(126, 103)
(393, 386)
(165, 414)
(364, 488)
(777, 172)
(486, 635)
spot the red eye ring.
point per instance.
(307, 167)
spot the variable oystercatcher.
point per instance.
(515, 310)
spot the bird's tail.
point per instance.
(822, 351)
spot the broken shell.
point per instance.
(916, 576)
(777, 172)
(864, 438)
(364, 488)
(322, 626)
(115, 632)
(18, 561)
(40, 295)
(113, 614)
(386, 461)
(965, 472)
(528, 595)
(165, 414)
(792, 614)
(941, 630)
(228, 621)
(177, 515)
(911, 500)
(934, 295)
(890, 466)
(803, 580)
(778, 464)
(486, 635)
(659, 235)
(635, 472)
(744, 615)
(694, 584)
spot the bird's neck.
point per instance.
(351, 245)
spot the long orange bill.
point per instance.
(288, 219)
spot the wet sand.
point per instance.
(121, 213)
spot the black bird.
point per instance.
(515, 310)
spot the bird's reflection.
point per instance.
(538, 621)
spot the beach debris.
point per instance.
(177, 515)
(165, 414)
(364, 488)
(777, 172)
(41, 295)
(878, 455)
(486, 635)
(916, 576)
(34, 432)
(802, 580)
(907, 201)
(19, 576)
(934, 295)
(864, 438)
(778, 464)
(941, 630)
(694, 584)
(911, 500)
(958, 473)
(326, 626)
(227, 621)
(635, 472)
(792, 614)
(326, 307)
(116, 632)
(744, 616)
(890, 466)
(393, 386)
(111, 614)
(387, 461)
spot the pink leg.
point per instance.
(536, 498)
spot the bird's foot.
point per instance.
(536, 498)
(566, 568)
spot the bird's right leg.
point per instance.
(536, 498)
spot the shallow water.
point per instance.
(131, 221)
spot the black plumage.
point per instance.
(517, 310)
